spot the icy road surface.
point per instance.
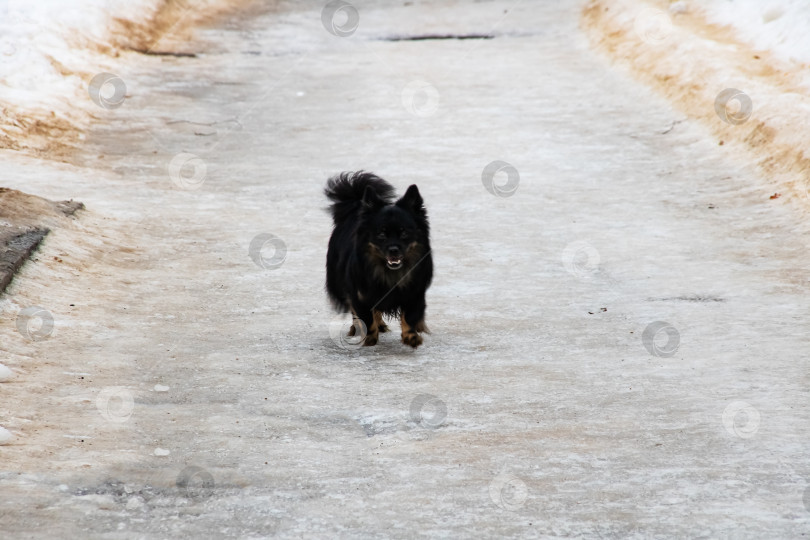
(620, 321)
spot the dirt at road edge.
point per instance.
(692, 61)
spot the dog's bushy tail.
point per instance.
(346, 190)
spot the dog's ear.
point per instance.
(371, 200)
(412, 200)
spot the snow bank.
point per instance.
(779, 26)
(735, 65)
(50, 50)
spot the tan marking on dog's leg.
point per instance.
(378, 319)
(373, 333)
(409, 335)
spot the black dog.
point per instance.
(378, 262)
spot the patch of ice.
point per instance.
(5, 374)
(5, 436)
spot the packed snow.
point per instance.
(777, 26)
(44, 45)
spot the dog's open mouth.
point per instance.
(393, 263)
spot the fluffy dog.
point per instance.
(378, 262)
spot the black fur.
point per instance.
(379, 253)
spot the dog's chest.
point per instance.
(390, 280)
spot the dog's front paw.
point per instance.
(370, 340)
(411, 338)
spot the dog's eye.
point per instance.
(381, 235)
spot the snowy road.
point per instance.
(192, 388)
